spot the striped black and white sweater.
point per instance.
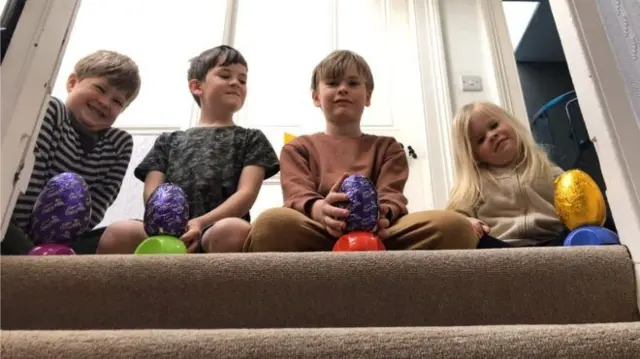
(63, 145)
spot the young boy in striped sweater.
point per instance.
(76, 136)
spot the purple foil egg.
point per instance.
(62, 211)
(167, 211)
(363, 203)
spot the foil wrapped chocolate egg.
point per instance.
(362, 203)
(62, 211)
(578, 200)
(167, 211)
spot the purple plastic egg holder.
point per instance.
(363, 203)
(167, 211)
(62, 211)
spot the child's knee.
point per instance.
(121, 237)
(455, 229)
(227, 235)
(235, 227)
(282, 230)
(276, 220)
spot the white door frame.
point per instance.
(503, 61)
(607, 112)
(438, 104)
(29, 69)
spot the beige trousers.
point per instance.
(287, 230)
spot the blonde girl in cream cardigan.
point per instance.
(504, 182)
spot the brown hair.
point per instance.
(119, 70)
(336, 64)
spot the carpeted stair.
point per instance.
(578, 302)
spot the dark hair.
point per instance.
(222, 55)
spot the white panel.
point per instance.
(270, 196)
(365, 27)
(282, 40)
(129, 204)
(161, 38)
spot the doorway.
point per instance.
(552, 107)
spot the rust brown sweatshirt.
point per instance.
(311, 164)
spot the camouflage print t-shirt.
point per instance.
(206, 162)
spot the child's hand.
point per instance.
(192, 235)
(479, 227)
(383, 223)
(326, 212)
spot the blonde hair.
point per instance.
(335, 65)
(119, 70)
(532, 161)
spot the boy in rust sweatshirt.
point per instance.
(313, 167)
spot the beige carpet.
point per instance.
(599, 341)
(314, 290)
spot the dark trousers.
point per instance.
(491, 242)
(16, 242)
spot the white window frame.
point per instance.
(228, 37)
(28, 70)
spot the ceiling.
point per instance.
(540, 42)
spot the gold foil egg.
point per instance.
(578, 200)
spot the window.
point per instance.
(518, 15)
(160, 38)
(282, 40)
(382, 32)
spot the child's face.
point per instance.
(94, 101)
(343, 99)
(493, 142)
(224, 87)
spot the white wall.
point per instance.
(478, 42)
(462, 38)
(467, 48)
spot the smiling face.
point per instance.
(94, 101)
(223, 87)
(493, 140)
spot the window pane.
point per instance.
(518, 15)
(160, 38)
(382, 32)
(282, 41)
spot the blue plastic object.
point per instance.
(549, 105)
(591, 236)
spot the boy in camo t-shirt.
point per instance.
(220, 166)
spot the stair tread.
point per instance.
(417, 288)
(615, 340)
